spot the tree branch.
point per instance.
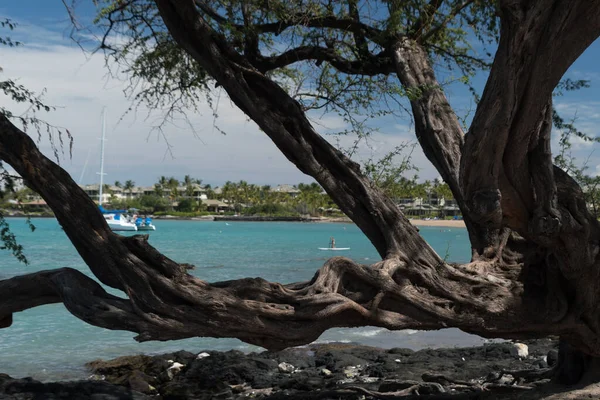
(436, 126)
(425, 18)
(300, 19)
(369, 65)
(412, 288)
(451, 15)
(283, 120)
(82, 296)
(359, 37)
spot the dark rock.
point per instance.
(552, 357)
(375, 370)
(235, 375)
(394, 386)
(300, 357)
(302, 383)
(401, 351)
(138, 381)
(326, 360)
(428, 388)
(493, 376)
(120, 370)
(30, 389)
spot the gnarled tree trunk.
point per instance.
(534, 271)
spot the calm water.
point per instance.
(49, 343)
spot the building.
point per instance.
(289, 189)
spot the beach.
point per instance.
(447, 223)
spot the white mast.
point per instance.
(102, 155)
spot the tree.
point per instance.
(189, 182)
(173, 186)
(534, 270)
(310, 198)
(118, 184)
(129, 186)
(186, 205)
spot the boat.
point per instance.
(117, 220)
(334, 248)
(144, 224)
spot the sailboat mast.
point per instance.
(102, 155)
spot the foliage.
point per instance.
(129, 186)
(153, 201)
(313, 53)
(186, 205)
(388, 173)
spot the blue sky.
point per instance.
(78, 85)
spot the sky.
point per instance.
(78, 85)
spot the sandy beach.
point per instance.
(448, 223)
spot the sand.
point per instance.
(448, 223)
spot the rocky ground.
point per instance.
(331, 371)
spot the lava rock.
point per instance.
(552, 357)
(286, 368)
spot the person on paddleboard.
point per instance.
(332, 243)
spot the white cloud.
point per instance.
(586, 117)
(78, 85)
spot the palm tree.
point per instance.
(188, 182)
(210, 193)
(129, 185)
(160, 186)
(158, 190)
(265, 194)
(173, 184)
(118, 184)
(243, 190)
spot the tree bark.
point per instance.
(508, 141)
(436, 126)
(536, 270)
(164, 302)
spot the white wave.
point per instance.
(370, 332)
(409, 331)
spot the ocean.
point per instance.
(48, 343)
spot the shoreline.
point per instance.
(444, 223)
(222, 218)
(447, 223)
(325, 371)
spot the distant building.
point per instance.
(216, 205)
(289, 189)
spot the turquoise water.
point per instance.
(48, 343)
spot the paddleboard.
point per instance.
(334, 249)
